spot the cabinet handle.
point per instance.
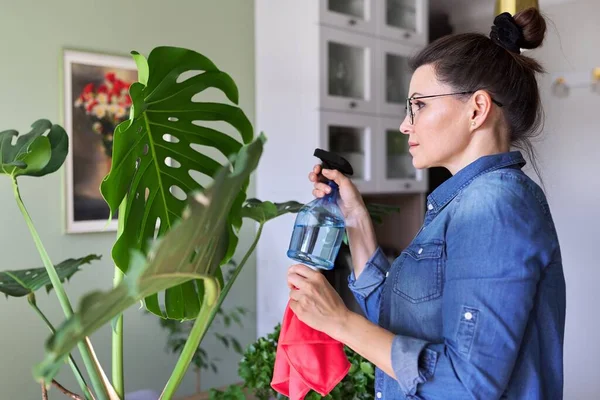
(351, 22)
(407, 35)
(407, 185)
(353, 104)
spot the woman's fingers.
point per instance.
(334, 175)
(323, 187)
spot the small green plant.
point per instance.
(256, 370)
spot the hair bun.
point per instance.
(533, 26)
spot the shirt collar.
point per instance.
(450, 188)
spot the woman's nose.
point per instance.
(405, 126)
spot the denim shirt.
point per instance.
(477, 300)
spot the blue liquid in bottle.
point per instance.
(318, 232)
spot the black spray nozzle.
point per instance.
(333, 161)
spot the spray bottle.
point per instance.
(319, 227)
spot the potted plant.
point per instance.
(256, 370)
(174, 235)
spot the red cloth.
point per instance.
(306, 359)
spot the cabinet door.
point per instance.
(354, 15)
(394, 169)
(404, 20)
(351, 136)
(392, 78)
(347, 66)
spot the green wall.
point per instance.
(33, 34)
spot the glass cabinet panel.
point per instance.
(351, 8)
(397, 78)
(349, 142)
(347, 66)
(346, 71)
(401, 14)
(398, 159)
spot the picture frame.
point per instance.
(95, 100)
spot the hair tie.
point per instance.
(506, 33)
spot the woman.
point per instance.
(474, 307)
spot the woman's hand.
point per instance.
(315, 302)
(350, 202)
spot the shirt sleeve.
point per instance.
(497, 243)
(367, 288)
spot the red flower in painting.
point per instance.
(107, 105)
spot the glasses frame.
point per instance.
(411, 114)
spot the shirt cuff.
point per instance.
(412, 362)
(372, 276)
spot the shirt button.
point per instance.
(420, 250)
(379, 395)
(468, 316)
(430, 206)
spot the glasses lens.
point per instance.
(409, 111)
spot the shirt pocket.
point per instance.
(420, 270)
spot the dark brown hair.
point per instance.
(472, 61)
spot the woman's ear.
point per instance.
(481, 103)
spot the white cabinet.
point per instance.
(332, 74)
(399, 20)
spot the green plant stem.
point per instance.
(72, 363)
(84, 347)
(207, 314)
(118, 379)
(211, 295)
(235, 274)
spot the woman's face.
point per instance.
(440, 132)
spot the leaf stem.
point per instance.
(84, 347)
(118, 379)
(72, 363)
(211, 294)
(236, 272)
(210, 306)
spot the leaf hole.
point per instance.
(34, 275)
(157, 226)
(171, 162)
(146, 195)
(167, 137)
(137, 163)
(184, 76)
(139, 129)
(203, 179)
(27, 272)
(173, 119)
(178, 193)
(146, 148)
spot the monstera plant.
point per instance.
(174, 234)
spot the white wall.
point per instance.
(569, 159)
(33, 34)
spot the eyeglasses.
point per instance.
(411, 114)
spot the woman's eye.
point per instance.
(418, 104)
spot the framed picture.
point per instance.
(96, 100)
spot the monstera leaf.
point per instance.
(263, 211)
(153, 158)
(191, 251)
(20, 283)
(35, 153)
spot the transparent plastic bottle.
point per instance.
(319, 227)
